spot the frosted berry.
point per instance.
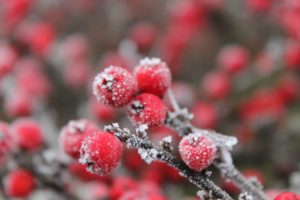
(114, 86)
(27, 134)
(197, 151)
(147, 109)
(216, 85)
(153, 76)
(72, 135)
(233, 58)
(101, 152)
(19, 183)
(6, 142)
(288, 196)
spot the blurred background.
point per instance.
(235, 65)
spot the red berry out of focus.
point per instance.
(205, 115)
(19, 183)
(288, 196)
(216, 85)
(233, 58)
(27, 134)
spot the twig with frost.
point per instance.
(179, 120)
(150, 152)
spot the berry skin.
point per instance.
(216, 85)
(197, 151)
(288, 196)
(100, 152)
(27, 134)
(233, 58)
(72, 135)
(6, 142)
(147, 109)
(153, 76)
(115, 86)
(19, 183)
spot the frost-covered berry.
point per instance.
(115, 86)
(19, 183)
(153, 76)
(197, 151)
(27, 134)
(288, 196)
(6, 142)
(72, 135)
(100, 152)
(147, 109)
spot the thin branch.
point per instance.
(200, 179)
(178, 121)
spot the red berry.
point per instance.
(7, 59)
(197, 151)
(75, 48)
(101, 111)
(27, 134)
(77, 74)
(6, 142)
(288, 88)
(78, 170)
(143, 35)
(292, 55)
(100, 152)
(233, 58)
(121, 185)
(147, 109)
(34, 82)
(216, 85)
(259, 5)
(72, 135)
(114, 86)
(19, 183)
(133, 160)
(288, 196)
(153, 76)
(19, 104)
(114, 59)
(205, 115)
